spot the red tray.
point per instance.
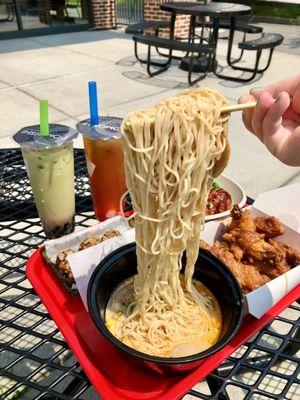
(105, 366)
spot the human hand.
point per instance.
(276, 118)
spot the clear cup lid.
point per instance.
(108, 128)
(59, 135)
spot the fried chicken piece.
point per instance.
(236, 251)
(205, 245)
(269, 226)
(253, 245)
(110, 234)
(249, 251)
(234, 247)
(268, 257)
(272, 268)
(93, 240)
(63, 264)
(89, 242)
(242, 220)
(292, 254)
(248, 276)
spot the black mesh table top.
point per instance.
(36, 362)
(211, 9)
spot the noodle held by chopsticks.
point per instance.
(172, 153)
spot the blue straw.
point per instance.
(93, 103)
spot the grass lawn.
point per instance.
(279, 11)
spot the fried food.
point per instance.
(291, 254)
(205, 245)
(89, 242)
(242, 220)
(252, 244)
(248, 276)
(62, 263)
(249, 251)
(93, 240)
(272, 268)
(269, 226)
(236, 251)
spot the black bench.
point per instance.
(268, 41)
(140, 27)
(239, 26)
(172, 45)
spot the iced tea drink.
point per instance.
(105, 164)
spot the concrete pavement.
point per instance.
(58, 68)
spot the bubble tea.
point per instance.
(49, 161)
(105, 164)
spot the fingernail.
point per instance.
(277, 99)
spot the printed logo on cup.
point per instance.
(30, 136)
(107, 128)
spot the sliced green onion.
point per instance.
(215, 185)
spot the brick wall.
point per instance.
(152, 12)
(104, 14)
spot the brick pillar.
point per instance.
(44, 7)
(152, 12)
(104, 14)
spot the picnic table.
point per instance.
(201, 50)
(215, 11)
(37, 363)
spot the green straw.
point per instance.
(44, 118)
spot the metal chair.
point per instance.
(10, 9)
(73, 4)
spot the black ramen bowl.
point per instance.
(122, 264)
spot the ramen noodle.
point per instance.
(172, 153)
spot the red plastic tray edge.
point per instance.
(70, 336)
(101, 384)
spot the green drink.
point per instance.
(50, 167)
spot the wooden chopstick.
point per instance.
(238, 107)
(230, 109)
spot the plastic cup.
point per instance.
(49, 162)
(105, 164)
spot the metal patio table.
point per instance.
(215, 11)
(36, 362)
